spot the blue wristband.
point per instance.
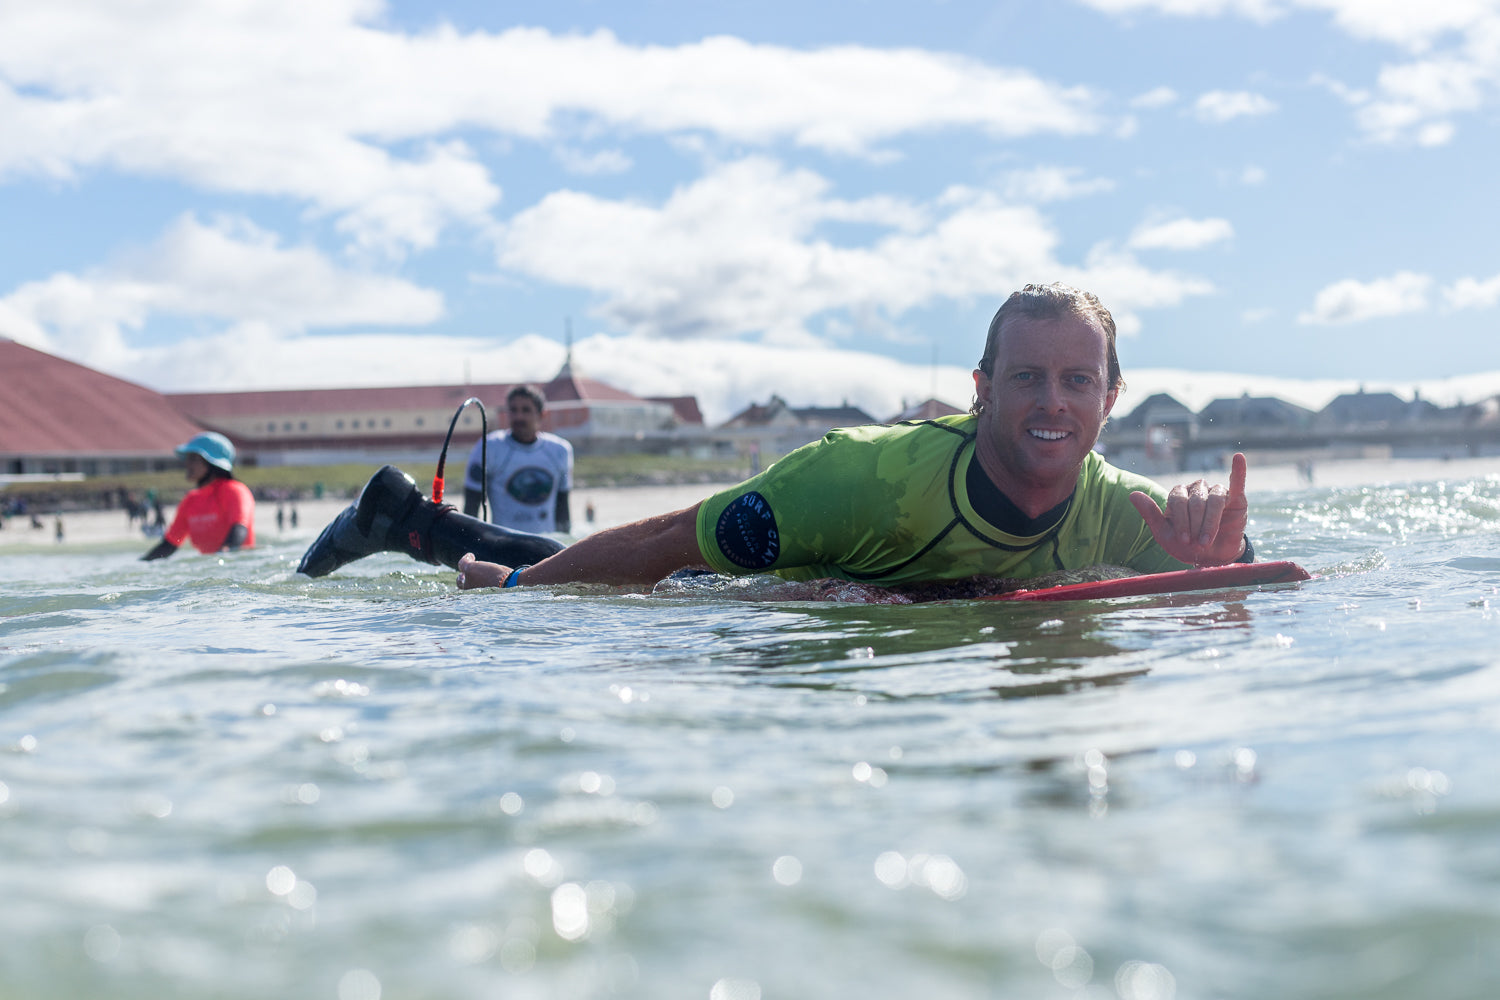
(514, 579)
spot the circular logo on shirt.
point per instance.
(531, 485)
(746, 533)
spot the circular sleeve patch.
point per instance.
(746, 533)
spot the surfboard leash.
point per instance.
(484, 442)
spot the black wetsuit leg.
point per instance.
(391, 515)
(454, 533)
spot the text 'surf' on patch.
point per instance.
(746, 532)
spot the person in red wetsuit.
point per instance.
(219, 513)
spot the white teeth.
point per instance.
(1050, 435)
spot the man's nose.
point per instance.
(1051, 395)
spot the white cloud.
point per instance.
(603, 161)
(727, 376)
(1125, 285)
(255, 356)
(1472, 293)
(1399, 22)
(1158, 97)
(1253, 175)
(1181, 234)
(1349, 95)
(1219, 106)
(1416, 26)
(1455, 45)
(323, 103)
(230, 273)
(743, 250)
(1258, 10)
(1354, 301)
(1045, 184)
(1413, 95)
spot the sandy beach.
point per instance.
(619, 505)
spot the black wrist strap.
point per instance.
(1249, 556)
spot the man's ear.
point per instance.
(1109, 401)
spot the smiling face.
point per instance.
(1043, 409)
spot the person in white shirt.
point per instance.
(529, 471)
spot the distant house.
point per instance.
(1158, 410)
(774, 413)
(61, 418)
(1159, 429)
(1364, 408)
(1485, 413)
(928, 409)
(776, 427)
(829, 417)
(1260, 412)
(596, 416)
(777, 413)
(684, 408)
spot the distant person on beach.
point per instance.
(1013, 489)
(219, 513)
(527, 472)
(158, 525)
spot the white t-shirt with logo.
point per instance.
(524, 479)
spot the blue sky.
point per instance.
(823, 200)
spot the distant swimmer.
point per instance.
(527, 473)
(1013, 489)
(219, 513)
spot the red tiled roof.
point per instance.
(209, 405)
(579, 387)
(50, 406)
(686, 407)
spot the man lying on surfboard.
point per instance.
(1012, 489)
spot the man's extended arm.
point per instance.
(564, 514)
(643, 551)
(1203, 525)
(160, 550)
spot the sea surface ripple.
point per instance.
(222, 779)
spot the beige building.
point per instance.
(399, 424)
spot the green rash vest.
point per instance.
(889, 505)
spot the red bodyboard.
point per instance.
(1207, 578)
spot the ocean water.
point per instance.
(220, 779)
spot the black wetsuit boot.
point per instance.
(392, 515)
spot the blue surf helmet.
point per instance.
(214, 449)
